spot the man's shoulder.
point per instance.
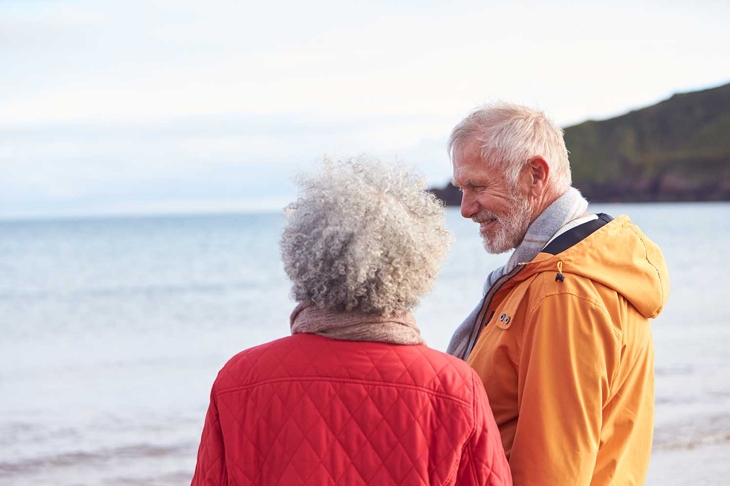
(570, 290)
(554, 281)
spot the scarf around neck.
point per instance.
(562, 211)
(354, 326)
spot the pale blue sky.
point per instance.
(175, 106)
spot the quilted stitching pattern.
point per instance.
(306, 410)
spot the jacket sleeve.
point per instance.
(210, 469)
(483, 462)
(569, 356)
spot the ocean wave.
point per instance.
(681, 369)
(694, 432)
(73, 459)
(689, 443)
(14, 432)
(131, 291)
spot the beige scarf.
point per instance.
(353, 326)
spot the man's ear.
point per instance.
(538, 170)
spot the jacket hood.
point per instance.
(619, 256)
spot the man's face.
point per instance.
(502, 211)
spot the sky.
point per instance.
(157, 106)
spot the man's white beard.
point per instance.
(511, 228)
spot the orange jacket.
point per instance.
(568, 364)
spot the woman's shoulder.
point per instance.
(246, 367)
(441, 372)
(312, 357)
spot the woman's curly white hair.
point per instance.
(363, 237)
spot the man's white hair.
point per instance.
(510, 136)
(363, 236)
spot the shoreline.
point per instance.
(701, 465)
(698, 464)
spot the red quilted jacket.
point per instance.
(308, 410)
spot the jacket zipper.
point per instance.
(480, 323)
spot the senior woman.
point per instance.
(353, 396)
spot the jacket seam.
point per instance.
(342, 380)
(599, 304)
(468, 443)
(468, 451)
(528, 320)
(472, 465)
(594, 304)
(646, 257)
(601, 307)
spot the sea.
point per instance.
(112, 331)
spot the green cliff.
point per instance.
(677, 150)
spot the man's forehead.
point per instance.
(469, 175)
(472, 171)
(468, 147)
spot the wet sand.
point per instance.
(705, 465)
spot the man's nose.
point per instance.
(469, 206)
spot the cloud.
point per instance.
(137, 59)
(203, 159)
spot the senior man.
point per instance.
(562, 338)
